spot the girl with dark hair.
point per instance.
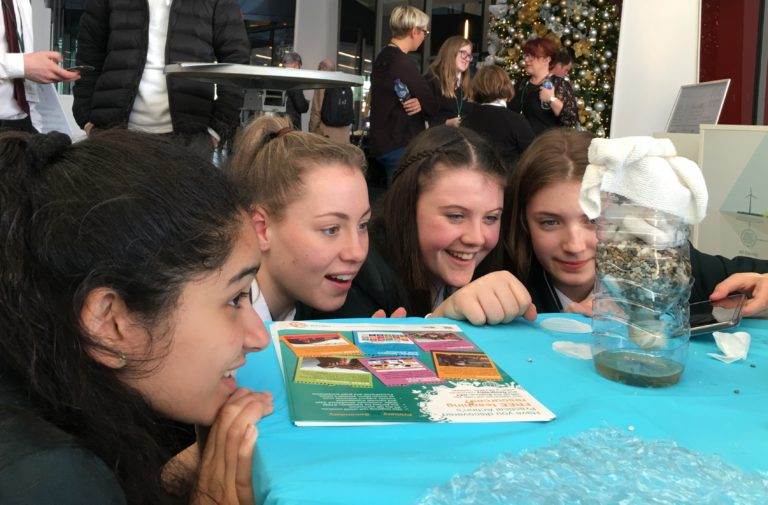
(448, 78)
(439, 221)
(546, 101)
(550, 243)
(124, 285)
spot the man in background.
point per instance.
(129, 43)
(296, 103)
(21, 68)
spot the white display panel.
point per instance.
(697, 104)
(734, 161)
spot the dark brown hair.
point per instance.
(121, 210)
(447, 146)
(559, 154)
(490, 84)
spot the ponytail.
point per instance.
(125, 211)
(271, 158)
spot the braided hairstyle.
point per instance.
(125, 211)
(452, 148)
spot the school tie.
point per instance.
(12, 38)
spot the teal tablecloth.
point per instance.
(401, 463)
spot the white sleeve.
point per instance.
(11, 65)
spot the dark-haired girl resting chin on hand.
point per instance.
(124, 301)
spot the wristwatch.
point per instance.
(552, 98)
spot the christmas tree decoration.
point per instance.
(588, 28)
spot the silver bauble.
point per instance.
(599, 106)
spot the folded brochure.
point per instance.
(367, 373)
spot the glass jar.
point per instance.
(640, 325)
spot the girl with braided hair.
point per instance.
(439, 222)
(124, 300)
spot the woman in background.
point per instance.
(508, 131)
(448, 78)
(395, 121)
(544, 106)
(124, 301)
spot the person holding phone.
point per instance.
(550, 244)
(22, 69)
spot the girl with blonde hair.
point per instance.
(310, 210)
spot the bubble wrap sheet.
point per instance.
(605, 466)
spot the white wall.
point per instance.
(658, 53)
(316, 35)
(41, 25)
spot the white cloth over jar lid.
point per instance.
(647, 171)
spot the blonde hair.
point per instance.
(271, 158)
(444, 66)
(405, 18)
(490, 83)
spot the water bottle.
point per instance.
(401, 90)
(640, 324)
(547, 84)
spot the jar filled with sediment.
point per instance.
(641, 324)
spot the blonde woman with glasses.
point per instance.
(448, 77)
(394, 120)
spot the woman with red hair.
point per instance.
(545, 100)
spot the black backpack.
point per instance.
(338, 107)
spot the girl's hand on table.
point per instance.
(494, 298)
(754, 284)
(227, 460)
(397, 313)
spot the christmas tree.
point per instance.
(589, 28)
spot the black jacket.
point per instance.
(526, 101)
(508, 131)
(113, 38)
(447, 107)
(391, 127)
(39, 463)
(296, 104)
(707, 271)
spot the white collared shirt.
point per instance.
(12, 64)
(498, 103)
(261, 307)
(151, 111)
